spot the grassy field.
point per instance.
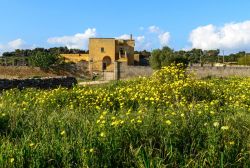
(16, 72)
(10, 72)
(167, 120)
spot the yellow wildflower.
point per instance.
(102, 134)
(63, 132)
(168, 122)
(216, 124)
(31, 144)
(225, 127)
(12, 160)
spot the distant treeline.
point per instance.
(166, 56)
(157, 57)
(31, 52)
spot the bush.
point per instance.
(44, 60)
(166, 57)
(245, 60)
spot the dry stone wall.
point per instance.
(41, 83)
(125, 71)
(206, 71)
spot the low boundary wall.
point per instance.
(205, 71)
(41, 83)
(124, 71)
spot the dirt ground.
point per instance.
(11, 72)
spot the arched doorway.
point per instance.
(106, 61)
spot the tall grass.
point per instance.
(167, 120)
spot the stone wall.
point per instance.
(125, 71)
(206, 71)
(42, 83)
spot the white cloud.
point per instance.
(152, 37)
(79, 40)
(12, 45)
(164, 38)
(232, 36)
(16, 44)
(141, 28)
(127, 36)
(186, 48)
(154, 29)
(124, 36)
(139, 41)
(140, 38)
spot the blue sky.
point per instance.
(180, 24)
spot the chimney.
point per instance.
(131, 37)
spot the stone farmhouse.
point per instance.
(104, 52)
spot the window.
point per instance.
(122, 51)
(102, 49)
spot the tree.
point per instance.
(244, 60)
(154, 60)
(166, 56)
(44, 60)
(211, 56)
(194, 56)
(55, 50)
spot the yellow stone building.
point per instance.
(75, 57)
(103, 52)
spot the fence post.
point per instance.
(91, 68)
(116, 70)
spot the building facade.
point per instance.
(103, 52)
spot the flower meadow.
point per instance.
(170, 119)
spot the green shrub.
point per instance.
(44, 60)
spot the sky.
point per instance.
(179, 24)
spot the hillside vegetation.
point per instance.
(167, 120)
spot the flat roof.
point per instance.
(113, 39)
(101, 38)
